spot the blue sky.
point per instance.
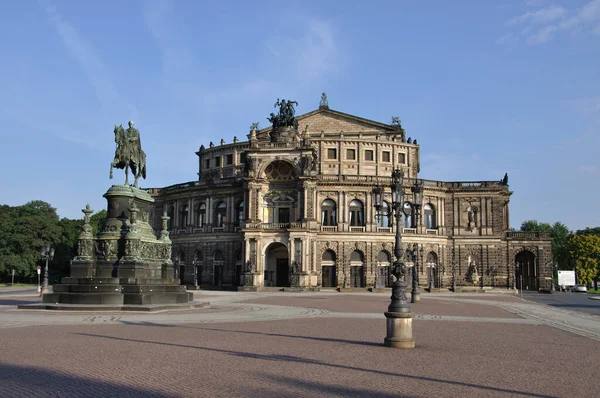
(486, 87)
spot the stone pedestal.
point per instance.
(399, 330)
(126, 263)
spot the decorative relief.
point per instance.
(85, 248)
(106, 249)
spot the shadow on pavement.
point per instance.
(22, 381)
(327, 339)
(291, 358)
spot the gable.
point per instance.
(332, 121)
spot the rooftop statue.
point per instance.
(129, 153)
(286, 116)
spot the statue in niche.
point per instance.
(250, 266)
(471, 217)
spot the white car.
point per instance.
(579, 289)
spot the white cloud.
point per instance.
(314, 53)
(541, 25)
(541, 16)
(88, 60)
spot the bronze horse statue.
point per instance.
(129, 153)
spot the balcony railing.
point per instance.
(409, 230)
(357, 229)
(386, 230)
(431, 231)
(329, 228)
(528, 235)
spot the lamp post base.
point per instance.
(399, 330)
(415, 297)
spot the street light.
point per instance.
(195, 264)
(415, 252)
(47, 254)
(398, 316)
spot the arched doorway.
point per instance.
(328, 275)
(383, 270)
(197, 268)
(432, 270)
(526, 272)
(277, 265)
(357, 269)
(218, 262)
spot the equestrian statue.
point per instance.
(129, 153)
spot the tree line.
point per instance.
(579, 250)
(26, 229)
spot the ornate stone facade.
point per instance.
(294, 206)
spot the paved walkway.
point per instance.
(230, 307)
(296, 345)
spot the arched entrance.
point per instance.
(218, 263)
(328, 275)
(357, 269)
(383, 270)
(432, 270)
(277, 265)
(526, 272)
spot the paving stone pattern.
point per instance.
(265, 344)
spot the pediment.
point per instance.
(327, 120)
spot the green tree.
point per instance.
(98, 221)
(560, 235)
(66, 247)
(25, 229)
(535, 226)
(589, 231)
(585, 254)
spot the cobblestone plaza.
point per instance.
(299, 344)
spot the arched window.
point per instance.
(183, 217)
(328, 258)
(407, 218)
(383, 258)
(383, 215)
(328, 214)
(240, 214)
(357, 217)
(171, 214)
(356, 258)
(221, 214)
(201, 215)
(429, 216)
(198, 256)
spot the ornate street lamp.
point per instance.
(398, 316)
(195, 265)
(453, 270)
(415, 252)
(47, 254)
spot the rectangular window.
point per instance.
(401, 158)
(218, 161)
(368, 154)
(350, 154)
(207, 163)
(243, 157)
(284, 215)
(331, 153)
(385, 157)
(230, 158)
